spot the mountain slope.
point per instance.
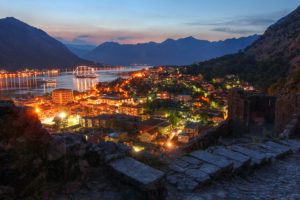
(80, 49)
(178, 52)
(23, 46)
(282, 39)
(273, 56)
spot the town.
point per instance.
(155, 109)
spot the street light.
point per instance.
(169, 144)
(62, 115)
(37, 110)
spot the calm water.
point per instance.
(36, 86)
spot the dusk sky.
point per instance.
(136, 21)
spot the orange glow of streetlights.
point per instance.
(169, 144)
(62, 115)
(37, 110)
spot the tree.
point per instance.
(174, 118)
(57, 123)
(203, 117)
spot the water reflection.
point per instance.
(83, 84)
(17, 85)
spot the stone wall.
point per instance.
(31, 158)
(248, 110)
(287, 115)
(210, 137)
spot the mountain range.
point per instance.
(281, 39)
(76, 46)
(170, 52)
(267, 62)
(23, 46)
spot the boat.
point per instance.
(85, 76)
(51, 81)
(85, 72)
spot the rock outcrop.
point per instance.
(30, 157)
(281, 40)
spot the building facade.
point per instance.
(62, 96)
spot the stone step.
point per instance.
(138, 174)
(185, 163)
(190, 160)
(257, 158)
(219, 161)
(279, 147)
(296, 142)
(293, 144)
(179, 166)
(269, 153)
(212, 170)
(174, 167)
(239, 160)
(182, 181)
(193, 169)
(282, 150)
(198, 175)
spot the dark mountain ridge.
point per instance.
(270, 59)
(281, 39)
(170, 52)
(23, 46)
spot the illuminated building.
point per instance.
(116, 136)
(184, 98)
(191, 128)
(113, 100)
(62, 96)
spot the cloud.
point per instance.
(234, 31)
(241, 24)
(239, 21)
(122, 38)
(79, 41)
(82, 39)
(84, 36)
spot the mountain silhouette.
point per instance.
(170, 52)
(23, 46)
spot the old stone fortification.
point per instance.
(248, 110)
(31, 159)
(228, 149)
(287, 115)
(210, 137)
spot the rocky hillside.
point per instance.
(270, 59)
(23, 46)
(170, 52)
(35, 165)
(282, 39)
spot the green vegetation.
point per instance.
(119, 125)
(290, 83)
(161, 105)
(141, 87)
(260, 74)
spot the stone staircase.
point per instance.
(151, 182)
(201, 166)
